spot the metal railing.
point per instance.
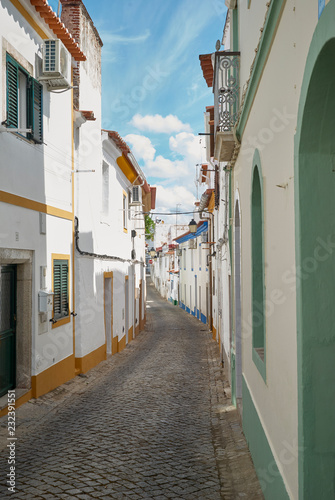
(226, 90)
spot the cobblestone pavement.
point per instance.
(152, 422)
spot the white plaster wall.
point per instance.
(55, 344)
(251, 19)
(106, 236)
(278, 95)
(38, 172)
(187, 277)
(222, 266)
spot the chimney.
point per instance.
(79, 23)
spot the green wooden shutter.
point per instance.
(12, 92)
(61, 291)
(36, 110)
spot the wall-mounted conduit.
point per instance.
(100, 256)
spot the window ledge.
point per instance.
(259, 358)
(61, 321)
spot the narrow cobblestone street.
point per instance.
(152, 422)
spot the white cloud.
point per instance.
(169, 197)
(141, 146)
(158, 124)
(167, 169)
(185, 150)
(108, 37)
(187, 145)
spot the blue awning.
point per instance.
(191, 236)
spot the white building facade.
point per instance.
(72, 199)
(277, 149)
(194, 281)
(36, 202)
(165, 266)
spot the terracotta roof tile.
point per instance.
(207, 68)
(59, 29)
(88, 115)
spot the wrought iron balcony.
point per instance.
(226, 87)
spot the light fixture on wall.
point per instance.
(193, 226)
(152, 252)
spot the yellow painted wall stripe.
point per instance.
(91, 360)
(121, 344)
(115, 341)
(211, 203)
(19, 402)
(126, 168)
(29, 19)
(52, 377)
(19, 201)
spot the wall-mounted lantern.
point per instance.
(193, 226)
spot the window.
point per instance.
(105, 188)
(258, 292)
(24, 101)
(61, 288)
(129, 202)
(124, 212)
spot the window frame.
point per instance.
(63, 318)
(124, 211)
(34, 101)
(105, 188)
(258, 269)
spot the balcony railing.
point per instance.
(226, 101)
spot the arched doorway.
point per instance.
(315, 255)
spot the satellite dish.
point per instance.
(217, 45)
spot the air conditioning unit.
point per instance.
(192, 244)
(56, 69)
(136, 198)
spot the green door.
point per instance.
(7, 328)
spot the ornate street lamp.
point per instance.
(152, 252)
(193, 226)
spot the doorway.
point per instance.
(108, 310)
(315, 237)
(196, 313)
(7, 329)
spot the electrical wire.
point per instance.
(179, 213)
(100, 256)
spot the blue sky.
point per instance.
(153, 91)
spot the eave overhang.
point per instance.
(57, 27)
